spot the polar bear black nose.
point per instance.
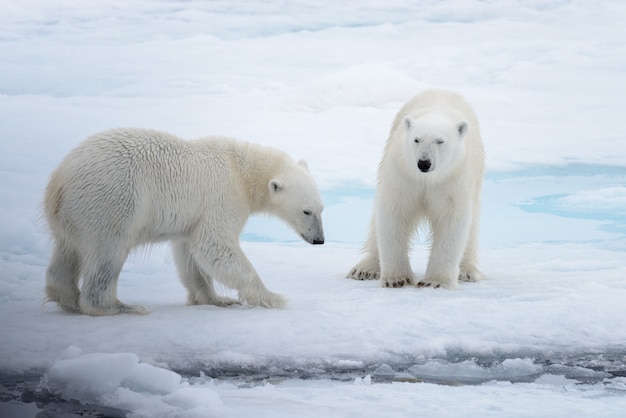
(423, 165)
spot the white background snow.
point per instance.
(323, 81)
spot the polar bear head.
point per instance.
(435, 142)
(294, 198)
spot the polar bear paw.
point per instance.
(396, 281)
(358, 274)
(262, 298)
(223, 302)
(428, 283)
(366, 269)
(273, 300)
(115, 309)
(471, 276)
(132, 309)
(67, 302)
(202, 298)
(439, 281)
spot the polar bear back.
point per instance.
(141, 181)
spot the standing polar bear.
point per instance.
(127, 187)
(431, 170)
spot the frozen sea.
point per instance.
(545, 335)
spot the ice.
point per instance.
(607, 203)
(91, 376)
(88, 376)
(367, 380)
(470, 372)
(617, 384)
(543, 336)
(384, 372)
(147, 378)
(197, 399)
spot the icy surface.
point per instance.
(543, 336)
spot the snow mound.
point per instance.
(122, 382)
(91, 377)
(366, 85)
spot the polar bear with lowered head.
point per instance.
(432, 171)
(128, 187)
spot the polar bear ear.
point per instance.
(462, 127)
(303, 164)
(275, 186)
(407, 122)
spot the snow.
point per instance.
(543, 336)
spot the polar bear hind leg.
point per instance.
(98, 294)
(62, 278)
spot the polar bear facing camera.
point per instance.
(128, 187)
(431, 171)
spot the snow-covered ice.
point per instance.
(545, 335)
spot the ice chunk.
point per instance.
(349, 364)
(88, 376)
(194, 398)
(469, 372)
(367, 380)
(149, 379)
(384, 372)
(443, 371)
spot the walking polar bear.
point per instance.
(431, 170)
(127, 187)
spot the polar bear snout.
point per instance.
(315, 233)
(424, 165)
(315, 241)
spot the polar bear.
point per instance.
(431, 170)
(128, 187)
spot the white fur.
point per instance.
(128, 187)
(437, 179)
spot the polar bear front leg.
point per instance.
(369, 267)
(200, 289)
(62, 277)
(449, 241)
(393, 246)
(228, 264)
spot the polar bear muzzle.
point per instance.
(314, 233)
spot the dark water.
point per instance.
(26, 395)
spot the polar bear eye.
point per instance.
(417, 140)
(307, 212)
(439, 141)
